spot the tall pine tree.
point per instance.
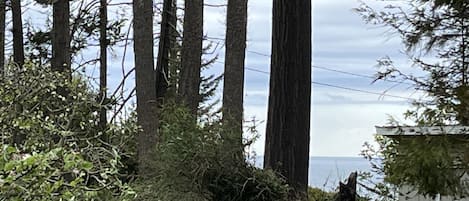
(145, 83)
(288, 121)
(191, 55)
(61, 58)
(233, 85)
(18, 44)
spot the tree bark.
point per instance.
(288, 121)
(348, 191)
(161, 73)
(61, 58)
(2, 37)
(174, 50)
(145, 83)
(191, 54)
(103, 43)
(233, 84)
(18, 44)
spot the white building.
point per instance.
(398, 132)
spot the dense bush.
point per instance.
(53, 147)
(57, 174)
(316, 194)
(192, 163)
(432, 164)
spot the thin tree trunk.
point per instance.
(288, 121)
(174, 50)
(145, 83)
(18, 47)
(2, 37)
(103, 43)
(61, 58)
(191, 54)
(163, 51)
(18, 53)
(233, 85)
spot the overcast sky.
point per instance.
(341, 119)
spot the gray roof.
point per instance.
(422, 130)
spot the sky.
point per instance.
(343, 116)
(341, 119)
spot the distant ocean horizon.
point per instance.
(326, 172)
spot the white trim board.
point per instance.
(422, 130)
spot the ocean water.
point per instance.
(326, 172)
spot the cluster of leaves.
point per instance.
(57, 174)
(373, 181)
(316, 194)
(53, 123)
(84, 31)
(434, 34)
(428, 164)
(432, 165)
(193, 163)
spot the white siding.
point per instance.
(409, 195)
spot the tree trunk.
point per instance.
(18, 47)
(191, 54)
(233, 84)
(161, 73)
(2, 37)
(288, 121)
(18, 52)
(61, 59)
(174, 50)
(145, 83)
(103, 43)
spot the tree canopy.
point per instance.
(435, 34)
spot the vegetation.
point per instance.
(61, 155)
(192, 163)
(434, 34)
(57, 141)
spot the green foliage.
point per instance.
(380, 189)
(316, 194)
(57, 174)
(84, 28)
(192, 163)
(426, 163)
(53, 123)
(434, 33)
(430, 164)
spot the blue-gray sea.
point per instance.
(326, 172)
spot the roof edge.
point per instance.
(421, 130)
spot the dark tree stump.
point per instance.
(348, 191)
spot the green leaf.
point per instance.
(30, 161)
(87, 165)
(9, 166)
(10, 150)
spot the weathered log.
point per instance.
(348, 191)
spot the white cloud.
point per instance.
(341, 120)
